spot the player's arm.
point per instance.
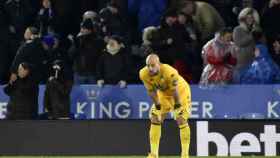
(176, 95)
(175, 88)
(154, 97)
(177, 105)
(152, 92)
(173, 81)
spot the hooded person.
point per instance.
(263, 69)
(113, 65)
(58, 90)
(242, 36)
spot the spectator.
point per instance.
(95, 18)
(58, 90)
(148, 12)
(190, 25)
(276, 51)
(66, 13)
(87, 49)
(6, 55)
(20, 15)
(56, 52)
(242, 37)
(269, 24)
(206, 16)
(4, 25)
(150, 40)
(31, 52)
(114, 64)
(90, 15)
(113, 21)
(240, 5)
(263, 70)
(45, 18)
(227, 9)
(173, 38)
(218, 55)
(193, 59)
(23, 93)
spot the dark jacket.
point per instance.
(45, 20)
(33, 53)
(58, 89)
(20, 15)
(23, 103)
(61, 55)
(113, 68)
(269, 23)
(4, 24)
(276, 58)
(168, 53)
(88, 49)
(114, 23)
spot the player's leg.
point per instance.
(156, 118)
(185, 133)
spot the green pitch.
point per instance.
(123, 157)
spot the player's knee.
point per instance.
(154, 120)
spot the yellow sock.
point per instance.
(185, 135)
(155, 134)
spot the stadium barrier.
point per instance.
(130, 137)
(228, 102)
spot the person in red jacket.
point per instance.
(219, 59)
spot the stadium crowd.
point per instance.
(60, 43)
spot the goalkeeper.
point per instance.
(170, 93)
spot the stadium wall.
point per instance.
(130, 137)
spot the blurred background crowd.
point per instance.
(106, 41)
(65, 42)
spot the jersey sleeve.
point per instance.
(172, 77)
(146, 82)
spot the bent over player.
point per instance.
(169, 93)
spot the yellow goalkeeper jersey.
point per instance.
(165, 83)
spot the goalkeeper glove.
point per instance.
(177, 110)
(158, 106)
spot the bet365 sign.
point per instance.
(237, 138)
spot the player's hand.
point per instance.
(177, 111)
(156, 112)
(100, 83)
(157, 106)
